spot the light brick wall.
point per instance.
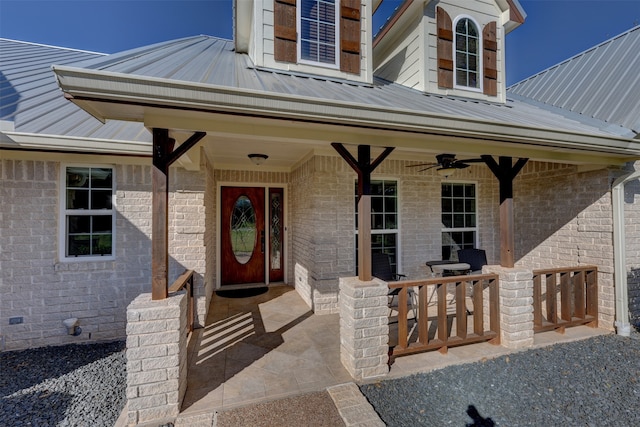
(632, 245)
(44, 291)
(323, 221)
(564, 218)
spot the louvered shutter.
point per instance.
(284, 29)
(490, 61)
(445, 48)
(350, 36)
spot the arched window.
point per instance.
(467, 57)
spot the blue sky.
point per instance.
(554, 29)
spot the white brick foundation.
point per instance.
(364, 328)
(156, 358)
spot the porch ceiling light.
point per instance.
(445, 172)
(258, 159)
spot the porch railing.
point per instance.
(565, 297)
(436, 316)
(186, 281)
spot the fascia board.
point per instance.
(32, 141)
(94, 87)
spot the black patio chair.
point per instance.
(476, 258)
(381, 268)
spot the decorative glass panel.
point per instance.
(243, 229)
(276, 231)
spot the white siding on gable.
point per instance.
(482, 12)
(263, 41)
(403, 63)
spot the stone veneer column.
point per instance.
(516, 305)
(156, 357)
(364, 327)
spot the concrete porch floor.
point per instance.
(271, 346)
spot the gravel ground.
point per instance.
(70, 385)
(594, 382)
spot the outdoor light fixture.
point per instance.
(445, 172)
(258, 159)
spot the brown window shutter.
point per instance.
(350, 36)
(490, 59)
(445, 49)
(284, 30)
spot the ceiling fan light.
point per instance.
(445, 172)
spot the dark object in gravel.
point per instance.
(593, 382)
(314, 409)
(69, 385)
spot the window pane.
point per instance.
(391, 222)
(377, 188)
(447, 220)
(470, 220)
(390, 204)
(78, 177)
(102, 245)
(447, 205)
(470, 190)
(79, 245)
(78, 224)
(390, 188)
(447, 190)
(77, 199)
(458, 221)
(458, 190)
(102, 224)
(101, 178)
(101, 199)
(377, 204)
(469, 205)
(377, 222)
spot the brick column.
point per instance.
(364, 327)
(156, 358)
(516, 305)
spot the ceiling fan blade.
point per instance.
(422, 164)
(471, 161)
(430, 167)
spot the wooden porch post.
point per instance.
(363, 167)
(162, 148)
(163, 157)
(506, 171)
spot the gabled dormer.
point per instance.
(329, 38)
(450, 47)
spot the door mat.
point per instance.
(242, 293)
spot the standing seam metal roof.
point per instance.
(602, 83)
(35, 104)
(31, 99)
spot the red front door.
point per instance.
(242, 235)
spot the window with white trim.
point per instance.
(384, 219)
(467, 54)
(459, 218)
(88, 213)
(318, 31)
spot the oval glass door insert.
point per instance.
(243, 229)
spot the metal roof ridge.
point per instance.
(564, 61)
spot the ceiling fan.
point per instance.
(447, 162)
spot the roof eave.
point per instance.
(94, 90)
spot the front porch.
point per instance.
(271, 345)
